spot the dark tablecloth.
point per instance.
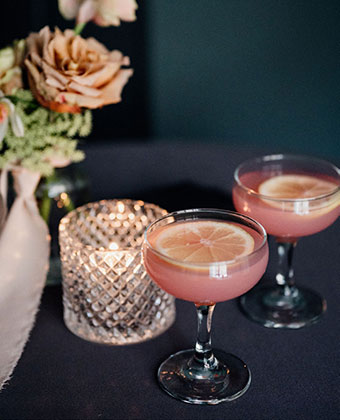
(295, 374)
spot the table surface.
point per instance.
(295, 374)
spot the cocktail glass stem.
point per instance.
(286, 295)
(285, 272)
(197, 376)
(203, 366)
(203, 350)
(284, 305)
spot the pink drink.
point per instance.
(206, 283)
(283, 218)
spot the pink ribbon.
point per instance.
(24, 254)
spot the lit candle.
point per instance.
(108, 297)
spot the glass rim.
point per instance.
(207, 264)
(76, 243)
(278, 157)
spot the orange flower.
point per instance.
(3, 112)
(67, 72)
(9, 113)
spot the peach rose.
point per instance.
(67, 72)
(102, 12)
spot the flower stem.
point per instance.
(64, 199)
(45, 206)
(79, 28)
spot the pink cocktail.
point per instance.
(205, 256)
(292, 197)
(206, 282)
(291, 218)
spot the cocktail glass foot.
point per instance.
(224, 379)
(273, 308)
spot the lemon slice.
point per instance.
(204, 241)
(295, 187)
(300, 187)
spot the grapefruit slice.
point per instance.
(295, 187)
(203, 241)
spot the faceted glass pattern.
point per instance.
(107, 295)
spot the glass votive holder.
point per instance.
(107, 295)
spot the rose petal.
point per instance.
(100, 77)
(50, 70)
(69, 8)
(33, 43)
(51, 81)
(87, 91)
(59, 46)
(90, 68)
(96, 46)
(111, 10)
(116, 55)
(87, 11)
(80, 100)
(33, 71)
(78, 48)
(36, 59)
(101, 21)
(45, 36)
(112, 92)
(125, 9)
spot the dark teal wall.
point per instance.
(246, 71)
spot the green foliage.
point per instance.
(48, 135)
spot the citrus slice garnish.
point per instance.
(203, 241)
(295, 187)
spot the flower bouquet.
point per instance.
(49, 83)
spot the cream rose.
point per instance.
(102, 12)
(11, 60)
(67, 72)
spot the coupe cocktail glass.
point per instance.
(292, 197)
(195, 265)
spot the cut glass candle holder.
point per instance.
(107, 295)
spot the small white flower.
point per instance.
(9, 113)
